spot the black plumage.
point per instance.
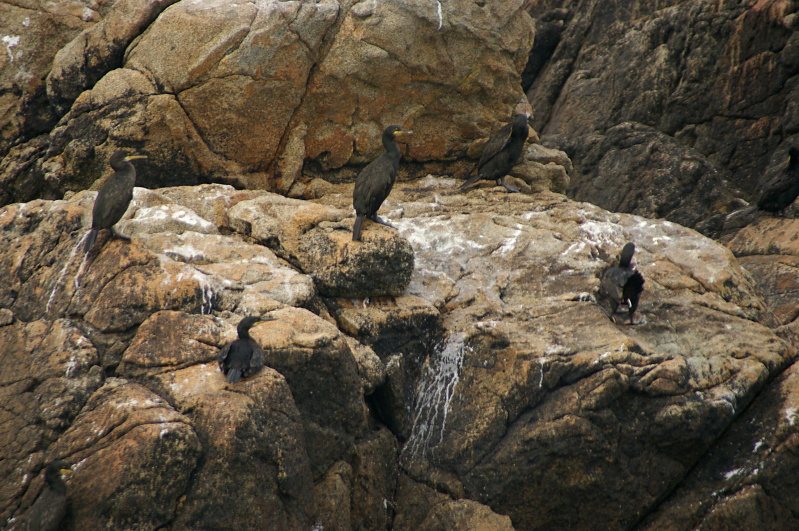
(623, 284)
(783, 188)
(375, 181)
(50, 508)
(115, 195)
(244, 356)
(501, 153)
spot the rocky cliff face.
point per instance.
(458, 372)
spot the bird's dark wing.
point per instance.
(633, 287)
(257, 359)
(613, 281)
(373, 185)
(113, 199)
(222, 358)
(239, 355)
(495, 144)
(48, 511)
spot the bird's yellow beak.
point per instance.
(134, 157)
(403, 132)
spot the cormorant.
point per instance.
(49, 509)
(623, 284)
(783, 189)
(501, 153)
(244, 356)
(376, 180)
(115, 195)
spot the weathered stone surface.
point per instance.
(32, 33)
(533, 370)
(250, 92)
(748, 479)
(125, 423)
(321, 371)
(691, 73)
(769, 250)
(495, 391)
(316, 238)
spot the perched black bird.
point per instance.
(501, 153)
(115, 195)
(244, 356)
(782, 189)
(49, 509)
(376, 180)
(623, 284)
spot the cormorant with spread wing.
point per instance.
(623, 284)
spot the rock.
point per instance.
(683, 70)
(31, 38)
(98, 49)
(532, 367)
(747, 479)
(48, 371)
(768, 250)
(321, 371)
(124, 422)
(314, 237)
(375, 477)
(269, 71)
(265, 458)
(493, 391)
(636, 169)
(420, 507)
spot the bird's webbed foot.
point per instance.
(378, 219)
(509, 188)
(119, 234)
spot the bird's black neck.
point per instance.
(53, 478)
(392, 148)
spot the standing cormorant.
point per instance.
(115, 195)
(376, 180)
(244, 356)
(783, 189)
(501, 153)
(49, 509)
(623, 284)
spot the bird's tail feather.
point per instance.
(356, 229)
(233, 375)
(90, 239)
(470, 181)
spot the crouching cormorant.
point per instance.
(244, 356)
(49, 509)
(376, 180)
(782, 189)
(501, 153)
(623, 284)
(115, 195)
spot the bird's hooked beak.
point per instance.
(402, 134)
(67, 470)
(134, 157)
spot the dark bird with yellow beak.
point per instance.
(115, 195)
(375, 181)
(50, 508)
